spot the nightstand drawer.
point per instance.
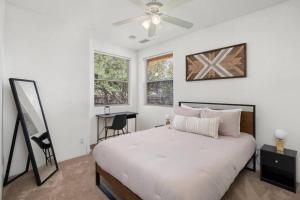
(278, 161)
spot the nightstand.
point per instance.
(278, 169)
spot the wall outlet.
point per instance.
(85, 145)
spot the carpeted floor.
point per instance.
(76, 181)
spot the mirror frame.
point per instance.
(25, 130)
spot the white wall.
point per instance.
(59, 56)
(273, 79)
(2, 11)
(56, 56)
(99, 44)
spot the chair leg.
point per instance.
(49, 156)
(114, 132)
(45, 153)
(118, 133)
(123, 131)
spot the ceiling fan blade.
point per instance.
(152, 30)
(139, 3)
(130, 20)
(174, 4)
(177, 21)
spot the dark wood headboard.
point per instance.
(247, 116)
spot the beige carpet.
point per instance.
(76, 181)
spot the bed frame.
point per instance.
(114, 189)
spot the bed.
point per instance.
(162, 163)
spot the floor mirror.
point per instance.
(37, 137)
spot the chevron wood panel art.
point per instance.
(227, 62)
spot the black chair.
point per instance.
(119, 122)
(44, 143)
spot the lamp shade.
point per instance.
(280, 134)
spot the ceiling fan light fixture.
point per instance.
(154, 16)
(146, 24)
(155, 19)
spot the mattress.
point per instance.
(167, 164)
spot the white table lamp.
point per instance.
(280, 136)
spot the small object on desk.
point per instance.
(278, 168)
(106, 110)
(280, 136)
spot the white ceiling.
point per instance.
(98, 16)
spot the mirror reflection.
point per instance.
(39, 137)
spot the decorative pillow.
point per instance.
(230, 120)
(203, 126)
(187, 112)
(179, 122)
(189, 107)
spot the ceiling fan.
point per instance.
(154, 15)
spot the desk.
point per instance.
(130, 115)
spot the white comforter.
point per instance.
(165, 164)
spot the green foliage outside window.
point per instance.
(160, 80)
(111, 79)
(160, 70)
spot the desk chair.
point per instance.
(43, 142)
(119, 122)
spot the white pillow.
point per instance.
(230, 120)
(179, 122)
(187, 112)
(189, 107)
(203, 126)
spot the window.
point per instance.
(160, 80)
(111, 79)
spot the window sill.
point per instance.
(111, 105)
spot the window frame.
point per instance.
(128, 78)
(146, 79)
